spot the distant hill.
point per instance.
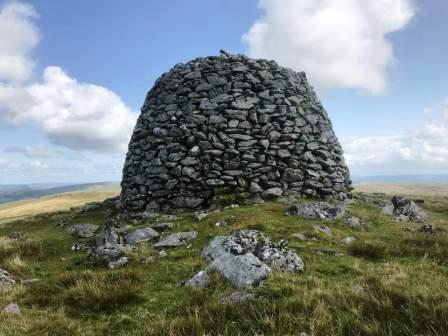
(442, 178)
(12, 193)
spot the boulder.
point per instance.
(405, 209)
(140, 235)
(246, 257)
(320, 210)
(242, 271)
(305, 236)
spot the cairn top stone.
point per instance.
(230, 123)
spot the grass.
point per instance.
(388, 282)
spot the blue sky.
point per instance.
(69, 67)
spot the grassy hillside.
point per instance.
(13, 193)
(54, 203)
(422, 189)
(390, 282)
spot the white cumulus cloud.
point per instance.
(79, 116)
(18, 36)
(427, 145)
(339, 43)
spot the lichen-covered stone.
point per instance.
(246, 257)
(233, 124)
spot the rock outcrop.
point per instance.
(230, 123)
(321, 210)
(245, 258)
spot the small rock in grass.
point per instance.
(79, 247)
(199, 280)
(162, 226)
(348, 240)
(239, 296)
(6, 279)
(232, 206)
(305, 236)
(163, 254)
(12, 308)
(147, 260)
(428, 228)
(408, 229)
(221, 224)
(16, 235)
(119, 263)
(200, 215)
(330, 253)
(353, 222)
(28, 281)
(323, 229)
(168, 218)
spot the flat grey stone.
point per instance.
(321, 210)
(140, 235)
(84, 230)
(123, 261)
(177, 239)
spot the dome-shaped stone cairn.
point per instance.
(230, 123)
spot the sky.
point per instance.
(74, 74)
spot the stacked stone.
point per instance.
(230, 123)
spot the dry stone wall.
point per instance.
(230, 123)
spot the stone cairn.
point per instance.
(230, 123)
